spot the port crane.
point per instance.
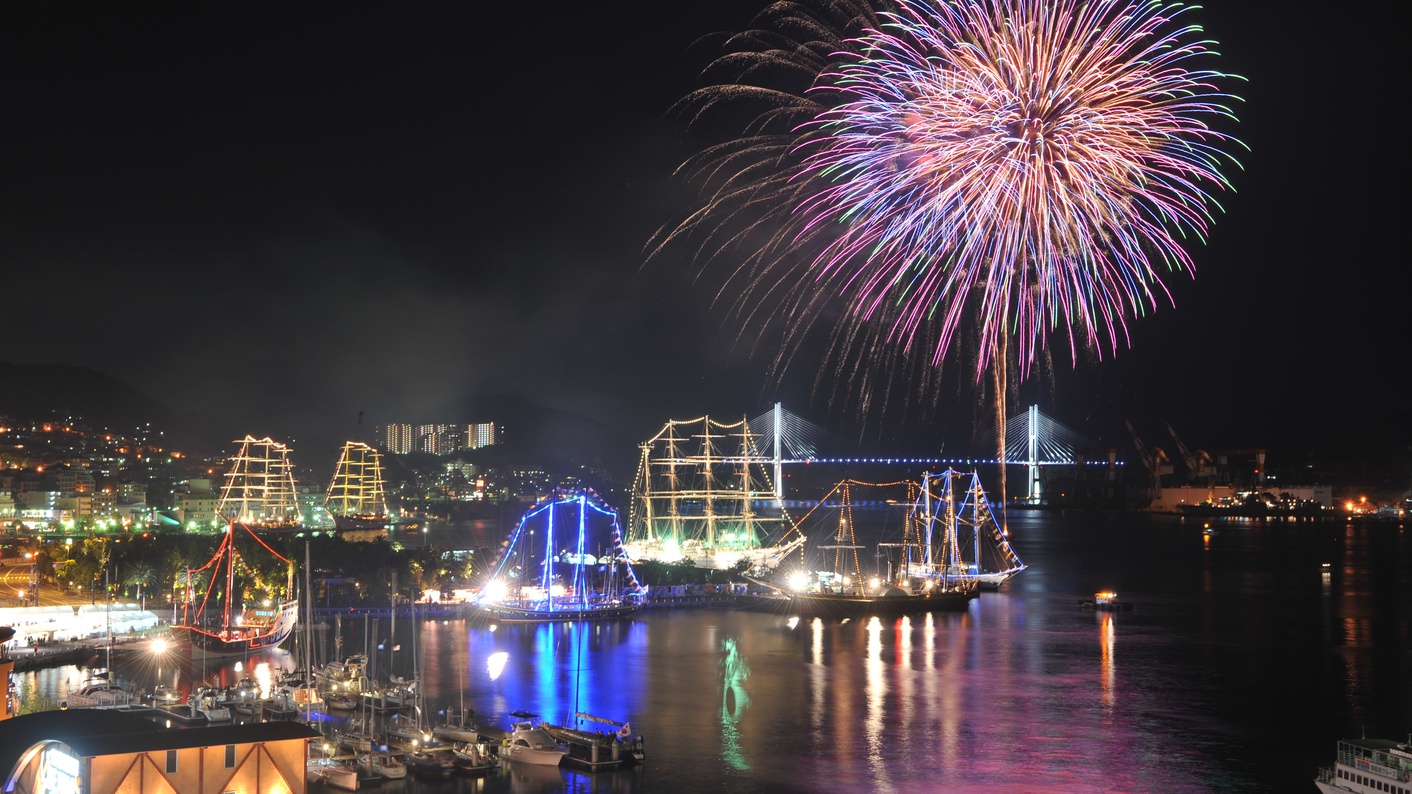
(1196, 462)
(1152, 460)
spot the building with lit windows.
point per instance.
(94, 751)
(397, 439)
(437, 439)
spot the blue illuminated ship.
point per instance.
(564, 562)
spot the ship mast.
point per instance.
(709, 482)
(259, 487)
(357, 487)
(230, 577)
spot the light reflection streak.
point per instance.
(1106, 636)
(946, 693)
(906, 678)
(876, 690)
(818, 675)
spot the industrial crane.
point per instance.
(1195, 462)
(1152, 460)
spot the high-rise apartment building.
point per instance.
(436, 439)
(396, 438)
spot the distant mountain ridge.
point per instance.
(532, 434)
(36, 391)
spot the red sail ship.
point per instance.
(232, 632)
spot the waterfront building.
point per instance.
(94, 751)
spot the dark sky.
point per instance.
(289, 214)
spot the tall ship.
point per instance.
(259, 487)
(563, 562)
(957, 522)
(907, 586)
(229, 627)
(357, 495)
(703, 493)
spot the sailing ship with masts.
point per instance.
(844, 590)
(357, 494)
(563, 562)
(703, 493)
(230, 628)
(259, 487)
(974, 547)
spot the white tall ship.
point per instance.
(259, 487)
(357, 495)
(1369, 766)
(703, 493)
(959, 539)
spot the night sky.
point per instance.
(289, 214)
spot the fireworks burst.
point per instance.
(993, 169)
(1043, 160)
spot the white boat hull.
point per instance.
(529, 755)
(451, 733)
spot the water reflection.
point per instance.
(1105, 651)
(734, 701)
(875, 721)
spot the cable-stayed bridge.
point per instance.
(710, 490)
(1032, 439)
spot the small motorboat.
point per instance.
(1106, 601)
(531, 745)
(164, 695)
(340, 701)
(332, 773)
(473, 758)
(384, 766)
(430, 764)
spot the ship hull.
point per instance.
(826, 605)
(203, 642)
(501, 613)
(355, 523)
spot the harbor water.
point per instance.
(1248, 652)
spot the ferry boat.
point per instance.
(1369, 766)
